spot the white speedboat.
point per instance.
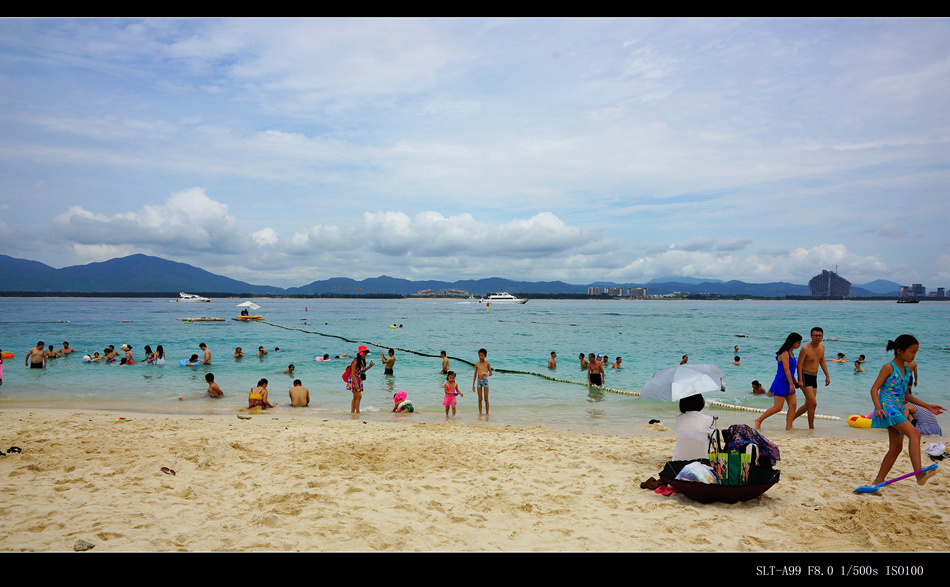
(184, 297)
(502, 297)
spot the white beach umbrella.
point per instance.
(250, 305)
(675, 383)
(713, 371)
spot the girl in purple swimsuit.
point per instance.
(783, 388)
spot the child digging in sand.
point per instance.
(401, 402)
(888, 394)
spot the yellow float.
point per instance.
(858, 421)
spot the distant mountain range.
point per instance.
(144, 274)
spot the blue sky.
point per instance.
(283, 151)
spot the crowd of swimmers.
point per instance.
(594, 364)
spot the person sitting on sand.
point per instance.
(257, 399)
(402, 402)
(692, 430)
(299, 395)
(213, 389)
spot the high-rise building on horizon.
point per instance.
(829, 284)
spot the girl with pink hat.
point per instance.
(357, 373)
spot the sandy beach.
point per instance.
(276, 483)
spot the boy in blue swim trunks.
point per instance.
(480, 379)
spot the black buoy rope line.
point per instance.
(512, 371)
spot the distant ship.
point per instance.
(908, 301)
(502, 297)
(184, 297)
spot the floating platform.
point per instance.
(201, 319)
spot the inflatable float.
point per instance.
(246, 318)
(858, 421)
(7, 355)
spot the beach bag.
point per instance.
(346, 374)
(697, 472)
(731, 467)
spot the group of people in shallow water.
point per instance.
(594, 364)
(38, 356)
(355, 375)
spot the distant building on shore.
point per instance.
(829, 284)
(637, 292)
(594, 291)
(916, 290)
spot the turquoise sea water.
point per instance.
(649, 335)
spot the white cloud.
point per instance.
(188, 221)
(265, 236)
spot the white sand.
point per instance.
(280, 483)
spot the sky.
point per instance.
(283, 151)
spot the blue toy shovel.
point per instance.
(873, 489)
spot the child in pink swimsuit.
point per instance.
(451, 390)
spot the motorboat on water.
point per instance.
(185, 297)
(502, 297)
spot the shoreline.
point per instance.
(278, 482)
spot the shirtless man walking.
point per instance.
(36, 357)
(810, 358)
(595, 371)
